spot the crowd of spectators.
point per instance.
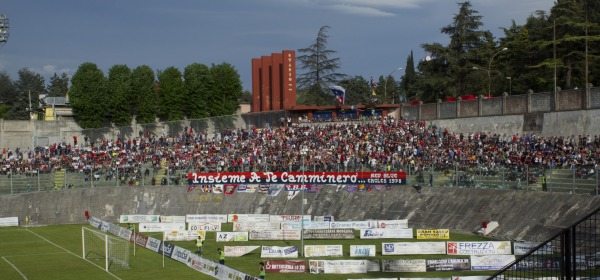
(383, 144)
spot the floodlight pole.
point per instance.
(490, 71)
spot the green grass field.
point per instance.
(54, 252)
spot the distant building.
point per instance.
(274, 82)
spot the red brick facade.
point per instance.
(274, 82)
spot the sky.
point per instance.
(371, 37)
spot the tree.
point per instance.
(88, 96)
(320, 70)
(29, 86)
(197, 81)
(171, 94)
(408, 81)
(226, 90)
(246, 97)
(119, 92)
(8, 94)
(143, 94)
(59, 85)
(357, 89)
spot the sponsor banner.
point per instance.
(392, 223)
(307, 225)
(227, 273)
(352, 224)
(362, 250)
(125, 233)
(433, 233)
(340, 233)
(495, 262)
(139, 239)
(538, 263)
(275, 235)
(104, 226)
(413, 248)
(274, 190)
(284, 266)
(205, 226)
(386, 278)
(206, 218)
(96, 222)
(323, 219)
(255, 226)
(231, 236)
(184, 235)
(379, 233)
(323, 251)
(288, 218)
(444, 278)
(202, 265)
(119, 231)
(139, 219)
(238, 251)
(448, 264)
(373, 266)
(248, 218)
(279, 252)
(251, 188)
(9, 222)
(522, 248)
(153, 244)
(337, 266)
(180, 254)
(479, 248)
(403, 265)
(458, 277)
(172, 219)
(328, 178)
(158, 227)
(167, 249)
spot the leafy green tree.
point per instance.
(358, 90)
(29, 86)
(171, 94)
(226, 90)
(88, 96)
(320, 70)
(8, 94)
(59, 85)
(246, 97)
(143, 94)
(408, 81)
(3, 111)
(119, 92)
(197, 81)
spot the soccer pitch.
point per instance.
(54, 252)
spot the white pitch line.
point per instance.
(24, 277)
(72, 253)
(29, 255)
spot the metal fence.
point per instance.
(574, 253)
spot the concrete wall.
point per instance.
(522, 215)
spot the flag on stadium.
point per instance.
(373, 86)
(339, 92)
(374, 100)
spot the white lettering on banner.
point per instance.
(248, 218)
(256, 226)
(323, 251)
(180, 254)
(379, 233)
(522, 248)
(337, 266)
(206, 218)
(139, 219)
(275, 235)
(307, 225)
(9, 221)
(184, 235)
(159, 227)
(205, 226)
(172, 219)
(288, 218)
(404, 265)
(413, 248)
(392, 223)
(479, 248)
(153, 244)
(232, 236)
(279, 252)
(495, 262)
(352, 224)
(362, 250)
(238, 251)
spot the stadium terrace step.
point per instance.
(59, 179)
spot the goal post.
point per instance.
(108, 252)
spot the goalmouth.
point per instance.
(106, 251)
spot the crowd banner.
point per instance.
(380, 233)
(307, 225)
(323, 219)
(491, 262)
(184, 235)
(208, 226)
(135, 219)
(522, 248)
(206, 218)
(181, 254)
(337, 266)
(362, 250)
(392, 223)
(352, 224)
(413, 248)
(403, 265)
(250, 188)
(231, 218)
(223, 236)
(461, 264)
(323, 251)
(160, 227)
(249, 226)
(479, 248)
(275, 235)
(285, 266)
(274, 190)
(289, 218)
(9, 222)
(153, 244)
(139, 239)
(238, 251)
(433, 233)
(328, 178)
(340, 233)
(172, 219)
(166, 249)
(279, 252)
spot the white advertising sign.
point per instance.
(275, 235)
(172, 219)
(493, 262)
(202, 265)
(248, 218)
(158, 227)
(337, 266)
(205, 218)
(288, 218)
(392, 223)
(238, 251)
(469, 277)
(249, 226)
(231, 236)
(379, 233)
(382, 278)
(479, 248)
(180, 254)
(307, 225)
(352, 224)
(323, 219)
(362, 250)
(153, 244)
(139, 219)
(184, 235)
(323, 251)
(413, 248)
(205, 226)
(522, 248)
(373, 266)
(404, 265)
(279, 252)
(9, 221)
(96, 222)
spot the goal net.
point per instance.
(106, 251)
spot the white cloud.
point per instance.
(358, 10)
(363, 7)
(51, 69)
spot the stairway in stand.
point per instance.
(59, 179)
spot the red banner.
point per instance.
(282, 266)
(335, 178)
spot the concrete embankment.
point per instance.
(532, 216)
